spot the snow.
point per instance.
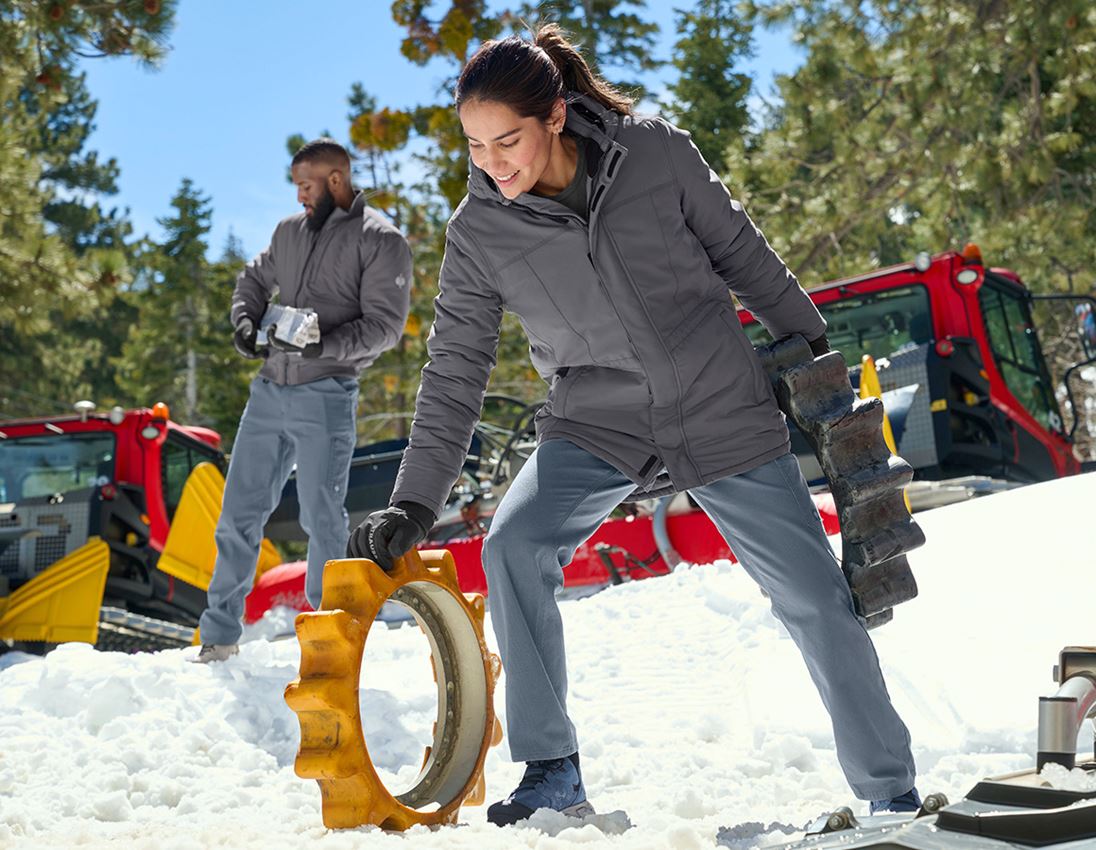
(694, 710)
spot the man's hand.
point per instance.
(386, 535)
(313, 349)
(244, 338)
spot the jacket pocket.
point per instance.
(565, 379)
(760, 386)
(706, 310)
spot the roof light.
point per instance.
(967, 276)
(117, 415)
(922, 261)
(160, 411)
(84, 407)
(972, 254)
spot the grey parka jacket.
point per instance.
(628, 316)
(355, 272)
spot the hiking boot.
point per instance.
(215, 652)
(549, 784)
(908, 802)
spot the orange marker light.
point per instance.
(972, 254)
(160, 411)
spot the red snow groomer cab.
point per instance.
(965, 383)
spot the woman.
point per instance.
(615, 245)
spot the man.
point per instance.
(347, 263)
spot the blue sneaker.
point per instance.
(908, 802)
(551, 784)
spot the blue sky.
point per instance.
(238, 81)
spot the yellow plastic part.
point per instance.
(325, 697)
(62, 602)
(870, 387)
(191, 550)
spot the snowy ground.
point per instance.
(693, 707)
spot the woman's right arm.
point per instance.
(462, 348)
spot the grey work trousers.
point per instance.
(557, 501)
(313, 425)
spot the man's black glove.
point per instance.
(386, 535)
(244, 338)
(819, 345)
(313, 349)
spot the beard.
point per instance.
(321, 210)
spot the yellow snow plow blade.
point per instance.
(62, 602)
(325, 697)
(871, 387)
(191, 550)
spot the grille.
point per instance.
(909, 370)
(63, 528)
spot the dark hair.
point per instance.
(323, 150)
(528, 76)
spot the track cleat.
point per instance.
(550, 784)
(212, 652)
(908, 802)
(865, 476)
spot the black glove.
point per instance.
(313, 349)
(819, 345)
(386, 535)
(244, 338)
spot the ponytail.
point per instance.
(529, 76)
(576, 73)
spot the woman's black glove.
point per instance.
(819, 345)
(386, 535)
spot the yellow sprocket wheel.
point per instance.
(325, 696)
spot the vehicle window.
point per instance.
(178, 458)
(878, 323)
(1016, 350)
(46, 464)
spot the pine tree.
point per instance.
(62, 257)
(709, 96)
(177, 317)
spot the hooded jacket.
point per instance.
(355, 272)
(628, 314)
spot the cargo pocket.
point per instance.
(340, 408)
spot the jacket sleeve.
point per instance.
(462, 348)
(255, 286)
(384, 295)
(738, 250)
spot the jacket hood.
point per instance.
(585, 117)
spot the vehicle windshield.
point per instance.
(876, 323)
(46, 464)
